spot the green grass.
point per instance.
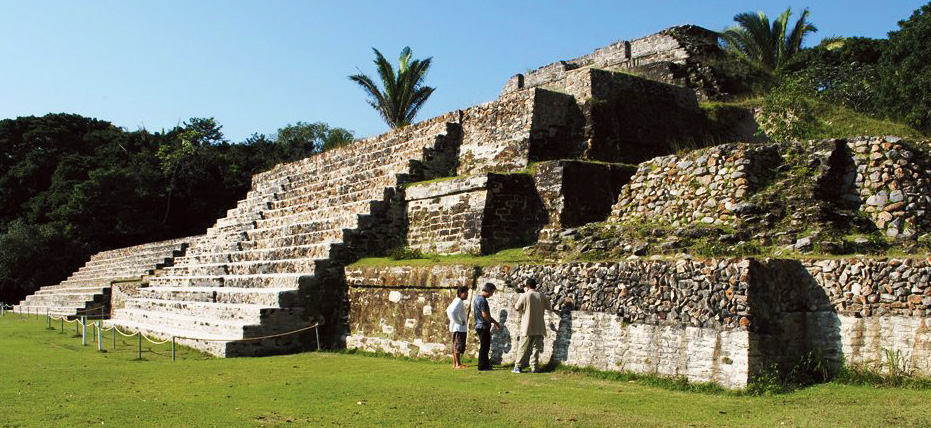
(508, 256)
(49, 379)
(835, 121)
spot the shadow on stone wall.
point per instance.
(563, 337)
(792, 317)
(501, 340)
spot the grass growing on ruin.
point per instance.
(835, 121)
(49, 379)
(508, 256)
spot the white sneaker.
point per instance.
(516, 370)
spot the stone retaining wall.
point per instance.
(704, 185)
(893, 178)
(710, 320)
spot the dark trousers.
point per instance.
(484, 340)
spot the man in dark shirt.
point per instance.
(483, 323)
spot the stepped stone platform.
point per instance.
(87, 291)
(260, 271)
(274, 263)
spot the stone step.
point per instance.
(81, 283)
(311, 233)
(302, 265)
(51, 310)
(291, 281)
(65, 299)
(73, 289)
(311, 219)
(218, 346)
(240, 312)
(317, 201)
(261, 323)
(365, 206)
(313, 251)
(273, 297)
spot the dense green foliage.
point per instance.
(906, 71)
(886, 79)
(71, 186)
(403, 92)
(766, 46)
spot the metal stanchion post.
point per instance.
(140, 345)
(317, 331)
(99, 338)
(83, 331)
(48, 318)
(114, 338)
(173, 348)
(62, 324)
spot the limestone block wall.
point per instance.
(475, 215)
(704, 185)
(402, 309)
(446, 217)
(505, 135)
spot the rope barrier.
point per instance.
(250, 339)
(99, 329)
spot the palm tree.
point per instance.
(766, 46)
(403, 92)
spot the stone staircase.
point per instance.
(252, 274)
(87, 290)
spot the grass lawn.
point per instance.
(48, 379)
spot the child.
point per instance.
(458, 324)
(483, 323)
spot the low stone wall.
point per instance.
(894, 182)
(712, 320)
(402, 309)
(703, 186)
(887, 179)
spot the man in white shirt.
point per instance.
(458, 324)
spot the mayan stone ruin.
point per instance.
(606, 156)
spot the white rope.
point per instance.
(123, 334)
(154, 341)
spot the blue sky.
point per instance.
(258, 65)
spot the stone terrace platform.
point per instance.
(87, 290)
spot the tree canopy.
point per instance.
(906, 71)
(71, 186)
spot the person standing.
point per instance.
(531, 305)
(483, 324)
(458, 324)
